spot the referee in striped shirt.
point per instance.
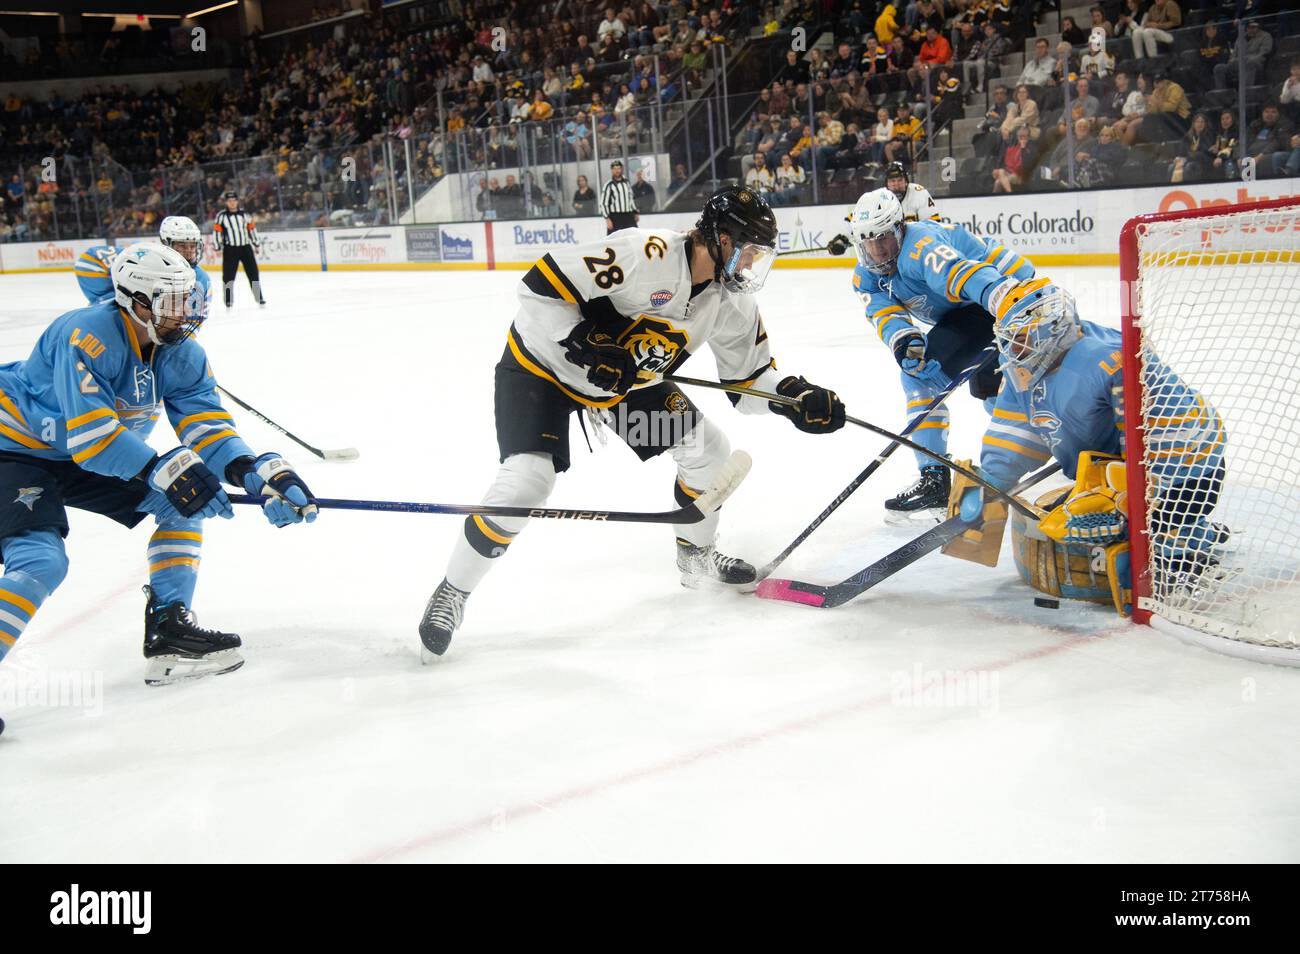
(617, 203)
(235, 233)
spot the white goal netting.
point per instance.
(1219, 303)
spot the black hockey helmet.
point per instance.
(897, 169)
(745, 216)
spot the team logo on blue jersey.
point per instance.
(1049, 422)
(143, 383)
(27, 496)
(660, 298)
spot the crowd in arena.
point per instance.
(1140, 88)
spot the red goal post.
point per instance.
(1211, 308)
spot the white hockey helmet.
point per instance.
(159, 279)
(876, 227)
(1037, 323)
(180, 232)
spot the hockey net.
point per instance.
(1212, 353)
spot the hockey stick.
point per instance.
(802, 251)
(829, 597)
(346, 453)
(902, 441)
(723, 486)
(982, 360)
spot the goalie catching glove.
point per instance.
(288, 499)
(1094, 512)
(610, 366)
(817, 411)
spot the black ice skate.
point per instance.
(177, 648)
(926, 501)
(441, 619)
(706, 563)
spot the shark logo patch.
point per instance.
(27, 496)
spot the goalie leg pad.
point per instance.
(980, 544)
(1077, 571)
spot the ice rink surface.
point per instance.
(590, 709)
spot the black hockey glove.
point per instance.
(188, 485)
(838, 245)
(610, 367)
(819, 410)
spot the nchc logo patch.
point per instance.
(660, 298)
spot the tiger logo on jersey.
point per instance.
(654, 343)
(676, 403)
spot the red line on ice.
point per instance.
(685, 760)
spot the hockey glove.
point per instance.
(610, 366)
(288, 498)
(188, 485)
(909, 352)
(838, 245)
(819, 410)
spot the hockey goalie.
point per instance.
(1063, 397)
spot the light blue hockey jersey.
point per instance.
(941, 267)
(87, 395)
(1079, 406)
(94, 271)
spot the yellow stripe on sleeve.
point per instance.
(1010, 415)
(1017, 448)
(213, 438)
(554, 279)
(174, 561)
(185, 422)
(89, 416)
(21, 438)
(176, 535)
(21, 602)
(98, 446)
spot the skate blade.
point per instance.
(915, 518)
(165, 670)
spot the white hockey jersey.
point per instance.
(637, 283)
(918, 204)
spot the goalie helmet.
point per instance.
(745, 217)
(1038, 322)
(876, 227)
(159, 279)
(180, 233)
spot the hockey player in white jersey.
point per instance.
(918, 205)
(595, 324)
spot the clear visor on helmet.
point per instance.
(177, 311)
(1032, 342)
(880, 253)
(747, 267)
(188, 248)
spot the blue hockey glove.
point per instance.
(188, 485)
(910, 354)
(289, 499)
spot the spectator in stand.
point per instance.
(829, 133)
(1084, 100)
(1129, 19)
(922, 15)
(611, 26)
(1259, 46)
(1014, 167)
(908, 130)
(1286, 162)
(1225, 146)
(968, 42)
(991, 47)
(1289, 96)
(679, 178)
(1097, 64)
(1072, 33)
(987, 140)
(1160, 18)
(845, 62)
(1099, 22)
(1167, 112)
(1080, 147)
(1022, 112)
(1098, 161)
(760, 178)
(803, 144)
(1134, 106)
(584, 198)
(578, 135)
(887, 24)
(1038, 71)
(1197, 156)
(790, 179)
(1212, 51)
(901, 59)
(936, 50)
(1267, 135)
(882, 131)
(643, 193)
(795, 67)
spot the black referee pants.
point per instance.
(621, 220)
(232, 256)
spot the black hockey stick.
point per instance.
(982, 360)
(902, 441)
(833, 595)
(346, 453)
(723, 486)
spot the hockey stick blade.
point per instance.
(346, 453)
(343, 453)
(836, 594)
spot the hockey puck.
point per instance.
(1046, 603)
